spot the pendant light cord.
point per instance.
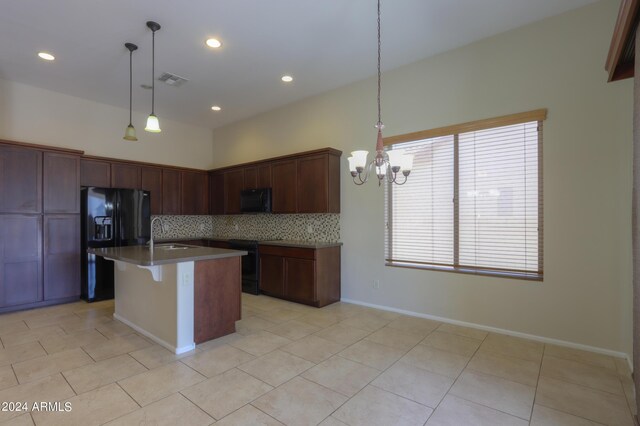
(130, 85)
(379, 83)
(153, 71)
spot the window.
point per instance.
(473, 201)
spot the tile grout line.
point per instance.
(457, 377)
(535, 394)
(128, 394)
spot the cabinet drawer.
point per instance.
(298, 252)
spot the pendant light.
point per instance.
(130, 133)
(153, 125)
(387, 164)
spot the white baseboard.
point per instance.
(155, 338)
(542, 339)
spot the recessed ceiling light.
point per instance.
(213, 42)
(216, 108)
(287, 78)
(46, 56)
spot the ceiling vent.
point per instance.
(172, 79)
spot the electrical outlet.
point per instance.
(376, 284)
(202, 226)
(310, 229)
(235, 227)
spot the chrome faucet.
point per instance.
(161, 227)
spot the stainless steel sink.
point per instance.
(172, 247)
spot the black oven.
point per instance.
(250, 265)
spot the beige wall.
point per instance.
(34, 115)
(558, 64)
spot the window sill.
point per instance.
(527, 276)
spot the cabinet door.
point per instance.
(195, 193)
(61, 183)
(20, 180)
(61, 256)
(250, 178)
(284, 186)
(272, 274)
(300, 279)
(170, 191)
(216, 193)
(313, 188)
(264, 176)
(20, 259)
(151, 180)
(233, 184)
(95, 173)
(125, 176)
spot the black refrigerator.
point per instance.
(110, 218)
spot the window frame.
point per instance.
(454, 131)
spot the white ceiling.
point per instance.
(324, 44)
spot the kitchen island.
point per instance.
(177, 295)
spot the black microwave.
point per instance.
(255, 200)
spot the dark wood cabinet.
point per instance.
(272, 275)
(264, 176)
(195, 193)
(250, 178)
(20, 180)
(171, 195)
(284, 177)
(95, 173)
(124, 175)
(61, 183)
(61, 256)
(307, 182)
(151, 180)
(233, 185)
(216, 193)
(305, 275)
(319, 184)
(20, 259)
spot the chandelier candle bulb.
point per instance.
(352, 166)
(395, 159)
(360, 158)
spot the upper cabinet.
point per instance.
(124, 175)
(20, 180)
(233, 185)
(95, 173)
(195, 193)
(284, 178)
(216, 193)
(171, 195)
(319, 184)
(307, 182)
(151, 180)
(61, 183)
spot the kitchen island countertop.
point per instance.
(142, 255)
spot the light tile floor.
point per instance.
(297, 365)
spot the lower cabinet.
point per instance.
(61, 256)
(305, 275)
(20, 259)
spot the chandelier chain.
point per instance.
(379, 79)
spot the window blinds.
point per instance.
(473, 203)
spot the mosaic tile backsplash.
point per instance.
(323, 227)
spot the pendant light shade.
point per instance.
(130, 132)
(153, 125)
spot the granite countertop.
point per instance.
(302, 244)
(142, 256)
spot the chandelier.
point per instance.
(387, 164)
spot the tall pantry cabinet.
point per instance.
(39, 225)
